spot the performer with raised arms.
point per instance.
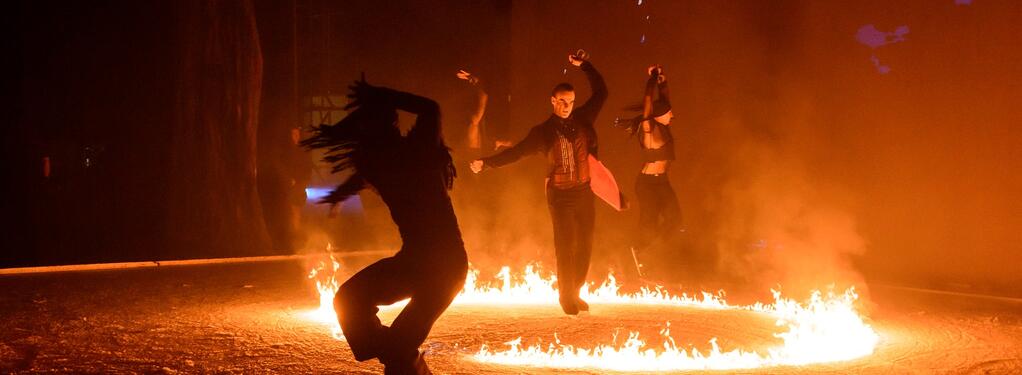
(568, 141)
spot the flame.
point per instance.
(325, 276)
(533, 288)
(825, 328)
(821, 330)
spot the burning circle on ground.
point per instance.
(825, 328)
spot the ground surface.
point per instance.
(247, 318)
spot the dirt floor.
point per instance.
(248, 318)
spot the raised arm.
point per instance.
(426, 130)
(647, 97)
(588, 111)
(656, 85)
(474, 127)
(662, 88)
(427, 120)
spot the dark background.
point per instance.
(799, 163)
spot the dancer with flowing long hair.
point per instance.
(659, 212)
(413, 174)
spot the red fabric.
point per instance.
(603, 184)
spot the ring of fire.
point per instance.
(825, 328)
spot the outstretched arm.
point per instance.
(531, 144)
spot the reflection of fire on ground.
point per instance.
(825, 328)
(251, 318)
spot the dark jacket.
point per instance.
(574, 135)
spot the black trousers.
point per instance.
(572, 213)
(431, 281)
(659, 213)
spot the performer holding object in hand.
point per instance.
(568, 141)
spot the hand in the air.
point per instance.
(575, 60)
(656, 70)
(501, 143)
(476, 166)
(462, 74)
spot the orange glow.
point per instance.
(818, 331)
(326, 283)
(826, 328)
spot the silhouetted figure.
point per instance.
(567, 139)
(412, 174)
(659, 213)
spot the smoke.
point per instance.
(778, 227)
(781, 220)
(503, 217)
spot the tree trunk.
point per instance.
(214, 207)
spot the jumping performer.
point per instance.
(412, 174)
(567, 139)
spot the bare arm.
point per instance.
(657, 84)
(647, 98)
(587, 112)
(474, 127)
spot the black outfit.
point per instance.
(412, 174)
(567, 144)
(572, 214)
(659, 212)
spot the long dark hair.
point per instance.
(345, 146)
(361, 142)
(658, 107)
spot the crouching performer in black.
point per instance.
(412, 174)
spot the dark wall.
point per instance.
(157, 117)
(137, 107)
(410, 45)
(93, 98)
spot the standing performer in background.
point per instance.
(659, 213)
(567, 139)
(474, 137)
(479, 137)
(412, 174)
